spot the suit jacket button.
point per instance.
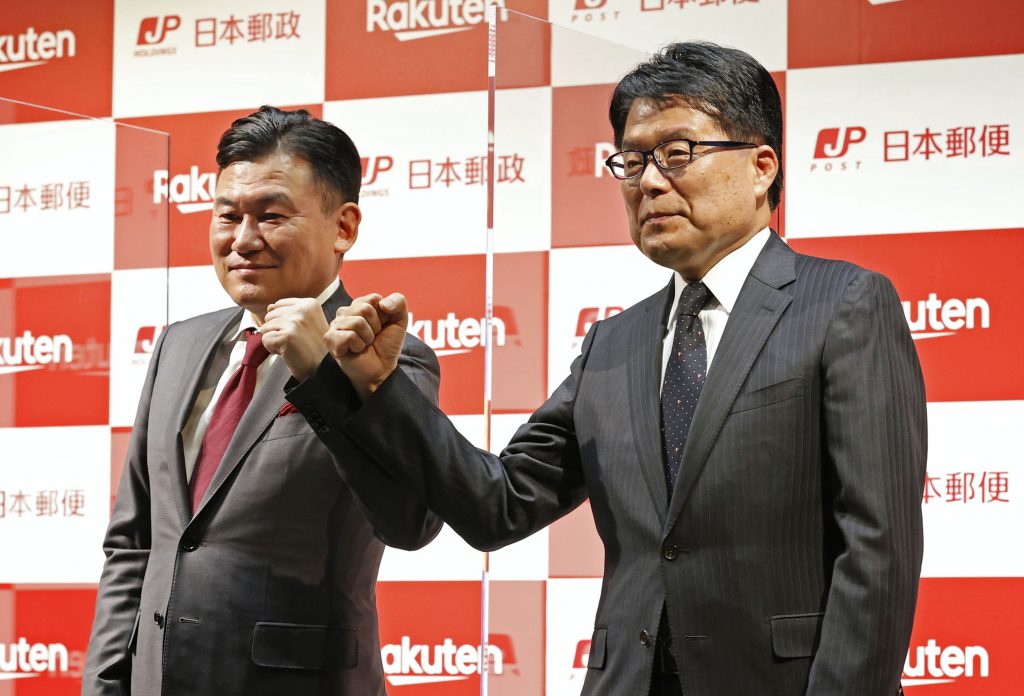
(645, 638)
(189, 544)
(158, 619)
(670, 552)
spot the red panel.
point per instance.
(388, 47)
(57, 54)
(967, 638)
(517, 630)
(849, 32)
(586, 203)
(58, 621)
(424, 629)
(575, 550)
(964, 284)
(446, 299)
(55, 351)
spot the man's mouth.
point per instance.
(245, 267)
(655, 217)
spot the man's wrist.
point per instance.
(364, 390)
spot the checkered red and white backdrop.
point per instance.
(902, 154)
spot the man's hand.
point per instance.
(366, 339)
(294, 329)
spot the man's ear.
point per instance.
(766, 168)
(347, 218)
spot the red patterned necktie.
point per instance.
(229, 409)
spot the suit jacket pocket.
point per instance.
(772, 394)
(598, 648)
(299, 646)
(288, 426)
(796, 635)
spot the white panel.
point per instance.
(974, 450)
(212, 55)
(194, 290)
(54, 503)
(57, 198)
(138, 314)
(590, 283)
(571, 607)
(424, 191)
(522, 209)
(846, 176)
(758, 28)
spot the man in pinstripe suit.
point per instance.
(766, 540)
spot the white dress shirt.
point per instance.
(724, 280)
(233, 348)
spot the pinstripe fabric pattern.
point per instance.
(790, 552)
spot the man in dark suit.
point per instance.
(240, 559)
(766, 538)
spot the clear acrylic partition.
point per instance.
(559, 258)
(83, 296)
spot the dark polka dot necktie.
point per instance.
(684, 377)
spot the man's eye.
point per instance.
(270, 217)
(229, 217)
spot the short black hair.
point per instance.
(727, 84)
(331, 154)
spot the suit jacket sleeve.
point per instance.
(126, 546)
(398, 516)
(490, 501)
(875, 439)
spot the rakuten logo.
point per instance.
(30, 49)
(23, 660)
(422, 19)
(27, 352)
(406, 664)
(190, 193)
(453, 336)
(933, 317)
(835, 142)
(932, 664)
(153, 30)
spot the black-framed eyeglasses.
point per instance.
(671, 154)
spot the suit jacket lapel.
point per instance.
(203, 347)
(757, 310)
(644, 389)
(260, 414)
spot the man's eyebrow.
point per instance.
(264, 200)
(681, 134)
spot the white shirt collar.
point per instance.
(249, 319)
(726, 278)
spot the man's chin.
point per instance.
(255, 298)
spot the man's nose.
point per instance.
(652, 180)
(247, 236)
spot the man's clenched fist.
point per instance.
(366, 339)
(294, 329)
